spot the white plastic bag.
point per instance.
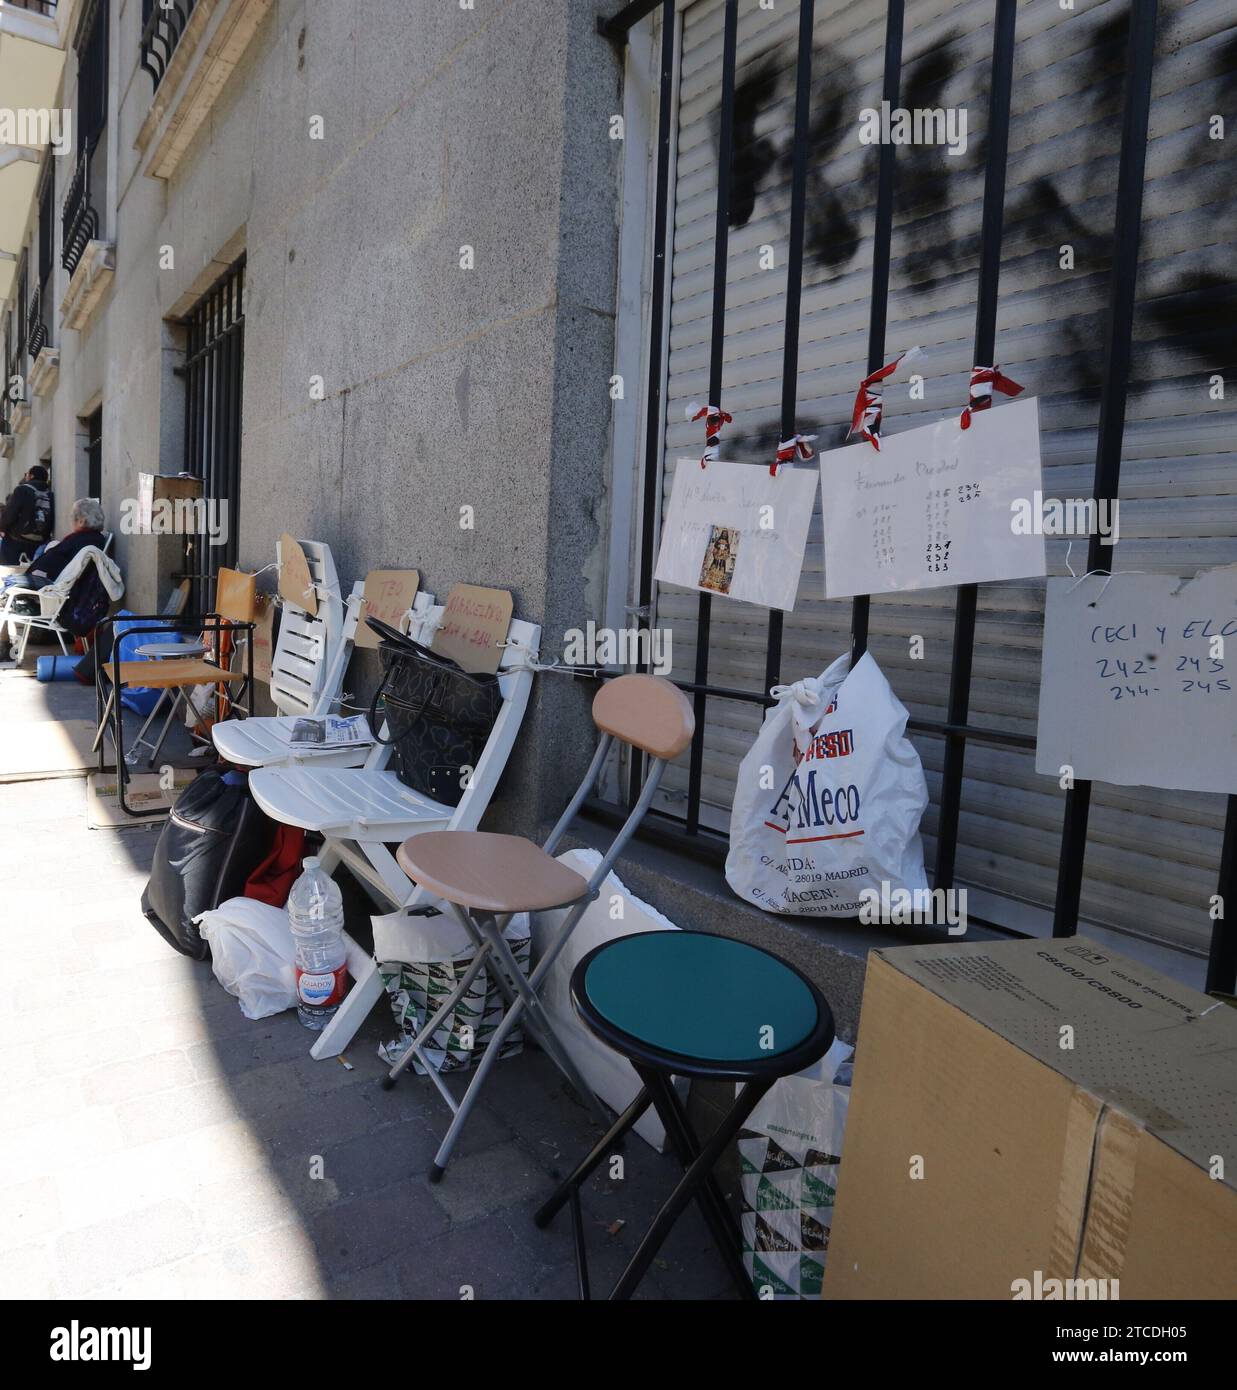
(253, 954)
(789, 1152)
(614, 913)
(829, 798)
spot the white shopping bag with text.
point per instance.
(829, 798)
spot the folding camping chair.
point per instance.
(210, 664)
(484, 879)
(307, 676)
(360, 812)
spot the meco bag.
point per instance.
(829, 798)
(438, 715)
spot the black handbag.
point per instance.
(438, 715)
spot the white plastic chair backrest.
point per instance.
(307, 646)
(333, 678)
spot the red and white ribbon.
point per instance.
(714, 418)
(865, 420)
(985, 380)
(797, 446)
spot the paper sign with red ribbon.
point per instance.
(985, 380)
(714, 418)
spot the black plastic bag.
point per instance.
(213, 840)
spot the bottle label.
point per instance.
(321, 988)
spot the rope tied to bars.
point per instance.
(985, 380)
(714, 418)
(865, 419)
(797, 446)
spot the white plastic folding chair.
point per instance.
(44, 605)
(362, 812)
(307, 677)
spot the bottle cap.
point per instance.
(311, 863)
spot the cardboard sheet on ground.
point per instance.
(610, 1075)
(934, 506)
(388, 596)
(32, 748)
(474, 623)
(735, 530)
(103, 811)
(1135, 689)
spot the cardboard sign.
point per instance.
(474, 623)
(264, 639)
(1139, 681)
(935, 506)
(388, 596)
(735, 530)
(295, 582)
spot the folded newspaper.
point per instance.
(332, 731)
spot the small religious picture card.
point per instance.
(735, 530)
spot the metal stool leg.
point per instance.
(538, 1020)
(718, 1217)
(687, 1189)
(550, 1208)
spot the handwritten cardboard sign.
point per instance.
(474, 623)
(1139, 681)
(263, 639)
(735, 530)
(296, 584)
(934, 507)
(388, 596)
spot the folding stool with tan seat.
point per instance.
(483, 879)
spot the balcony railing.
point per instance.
(38, 6)
(79, 221)
(36, 324)
(164, 21)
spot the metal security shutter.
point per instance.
(1152, 855)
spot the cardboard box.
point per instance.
(1036, 1111)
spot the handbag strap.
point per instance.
(373, 713)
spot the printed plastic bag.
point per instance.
(829, 798)
(420, 961)
(789, 1152)
(253, 954)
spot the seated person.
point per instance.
(53, 559)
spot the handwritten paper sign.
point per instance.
(735, 530)
(474, 623)
(934, 507)
(388, 596)
(295, 582)
(1139, 681)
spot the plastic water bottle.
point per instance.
(316, 914)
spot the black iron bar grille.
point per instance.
(213, 373)
(163, 26)
(881, 247)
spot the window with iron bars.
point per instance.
(750, 163)
(80, 220)
(213, 373)
(39, 317)
(163, 26)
